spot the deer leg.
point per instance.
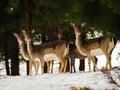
(94, 63)
(48, 66)
(42, 66)
(106, 67)
(96, 60)
(61, 66)
(109, 62)
(89, 63)
(110, 65)
(65, 65)
(51, 65)
(36, 66)
(73, 64)
(70, 63)
(30, 67)
(34, 63)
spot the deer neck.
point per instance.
(23, 50)
(79, 44)
(30, 47)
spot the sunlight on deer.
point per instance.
(24, 52)
(92, 47)
(57, 48)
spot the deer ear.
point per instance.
(83, 24)
(23, 31)
(15, 34)
(72, 24)
(33, 31)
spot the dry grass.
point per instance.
(117, 68)
(107, 73)
(74, 88)
(87, 88)
(103, 69)
(112, 89)
(83, 88)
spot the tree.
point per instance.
(45, 15)
(10, 22)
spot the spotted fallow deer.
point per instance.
(97, 46)
(23, 50)
(46, 51)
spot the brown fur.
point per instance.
(23, 50)
(92, 44)
(58, 47)
(74, 53)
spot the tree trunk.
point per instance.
(30, 25)
(14, 56)
(45, 64)
(6, 53)
(30, 15)
(82, 65)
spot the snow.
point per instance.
(64, 81)
(57, 81)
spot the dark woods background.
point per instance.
(48, 17)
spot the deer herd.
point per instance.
(61, 50)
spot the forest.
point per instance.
(48, 17)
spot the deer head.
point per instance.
(28, 35)
(78, 29)
(19, 37)
(59, 34)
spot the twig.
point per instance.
(111, 79)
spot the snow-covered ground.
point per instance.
(56, 81)
(64, 81)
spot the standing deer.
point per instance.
(73, 53)
(57, 49)
(91, 47)
(23, 50)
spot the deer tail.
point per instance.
(112, 44)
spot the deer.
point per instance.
(103, 45)
(73, 53)
(57, 49)
(23, 50)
